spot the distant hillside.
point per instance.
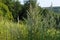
(55, 9)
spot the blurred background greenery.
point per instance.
(28, 21)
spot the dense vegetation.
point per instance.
(28, 21)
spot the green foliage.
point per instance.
(41, 24)
(12, 31)
(4, 11)
(35, 28)
(14, 7)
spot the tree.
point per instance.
(32, 2)
(26, 7)
(14, 6)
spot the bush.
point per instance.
(4, 11)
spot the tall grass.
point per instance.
(35, 28)
(12, 31)
(38, 27)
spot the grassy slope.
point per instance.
(14, 31)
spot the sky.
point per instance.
(46, 3)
